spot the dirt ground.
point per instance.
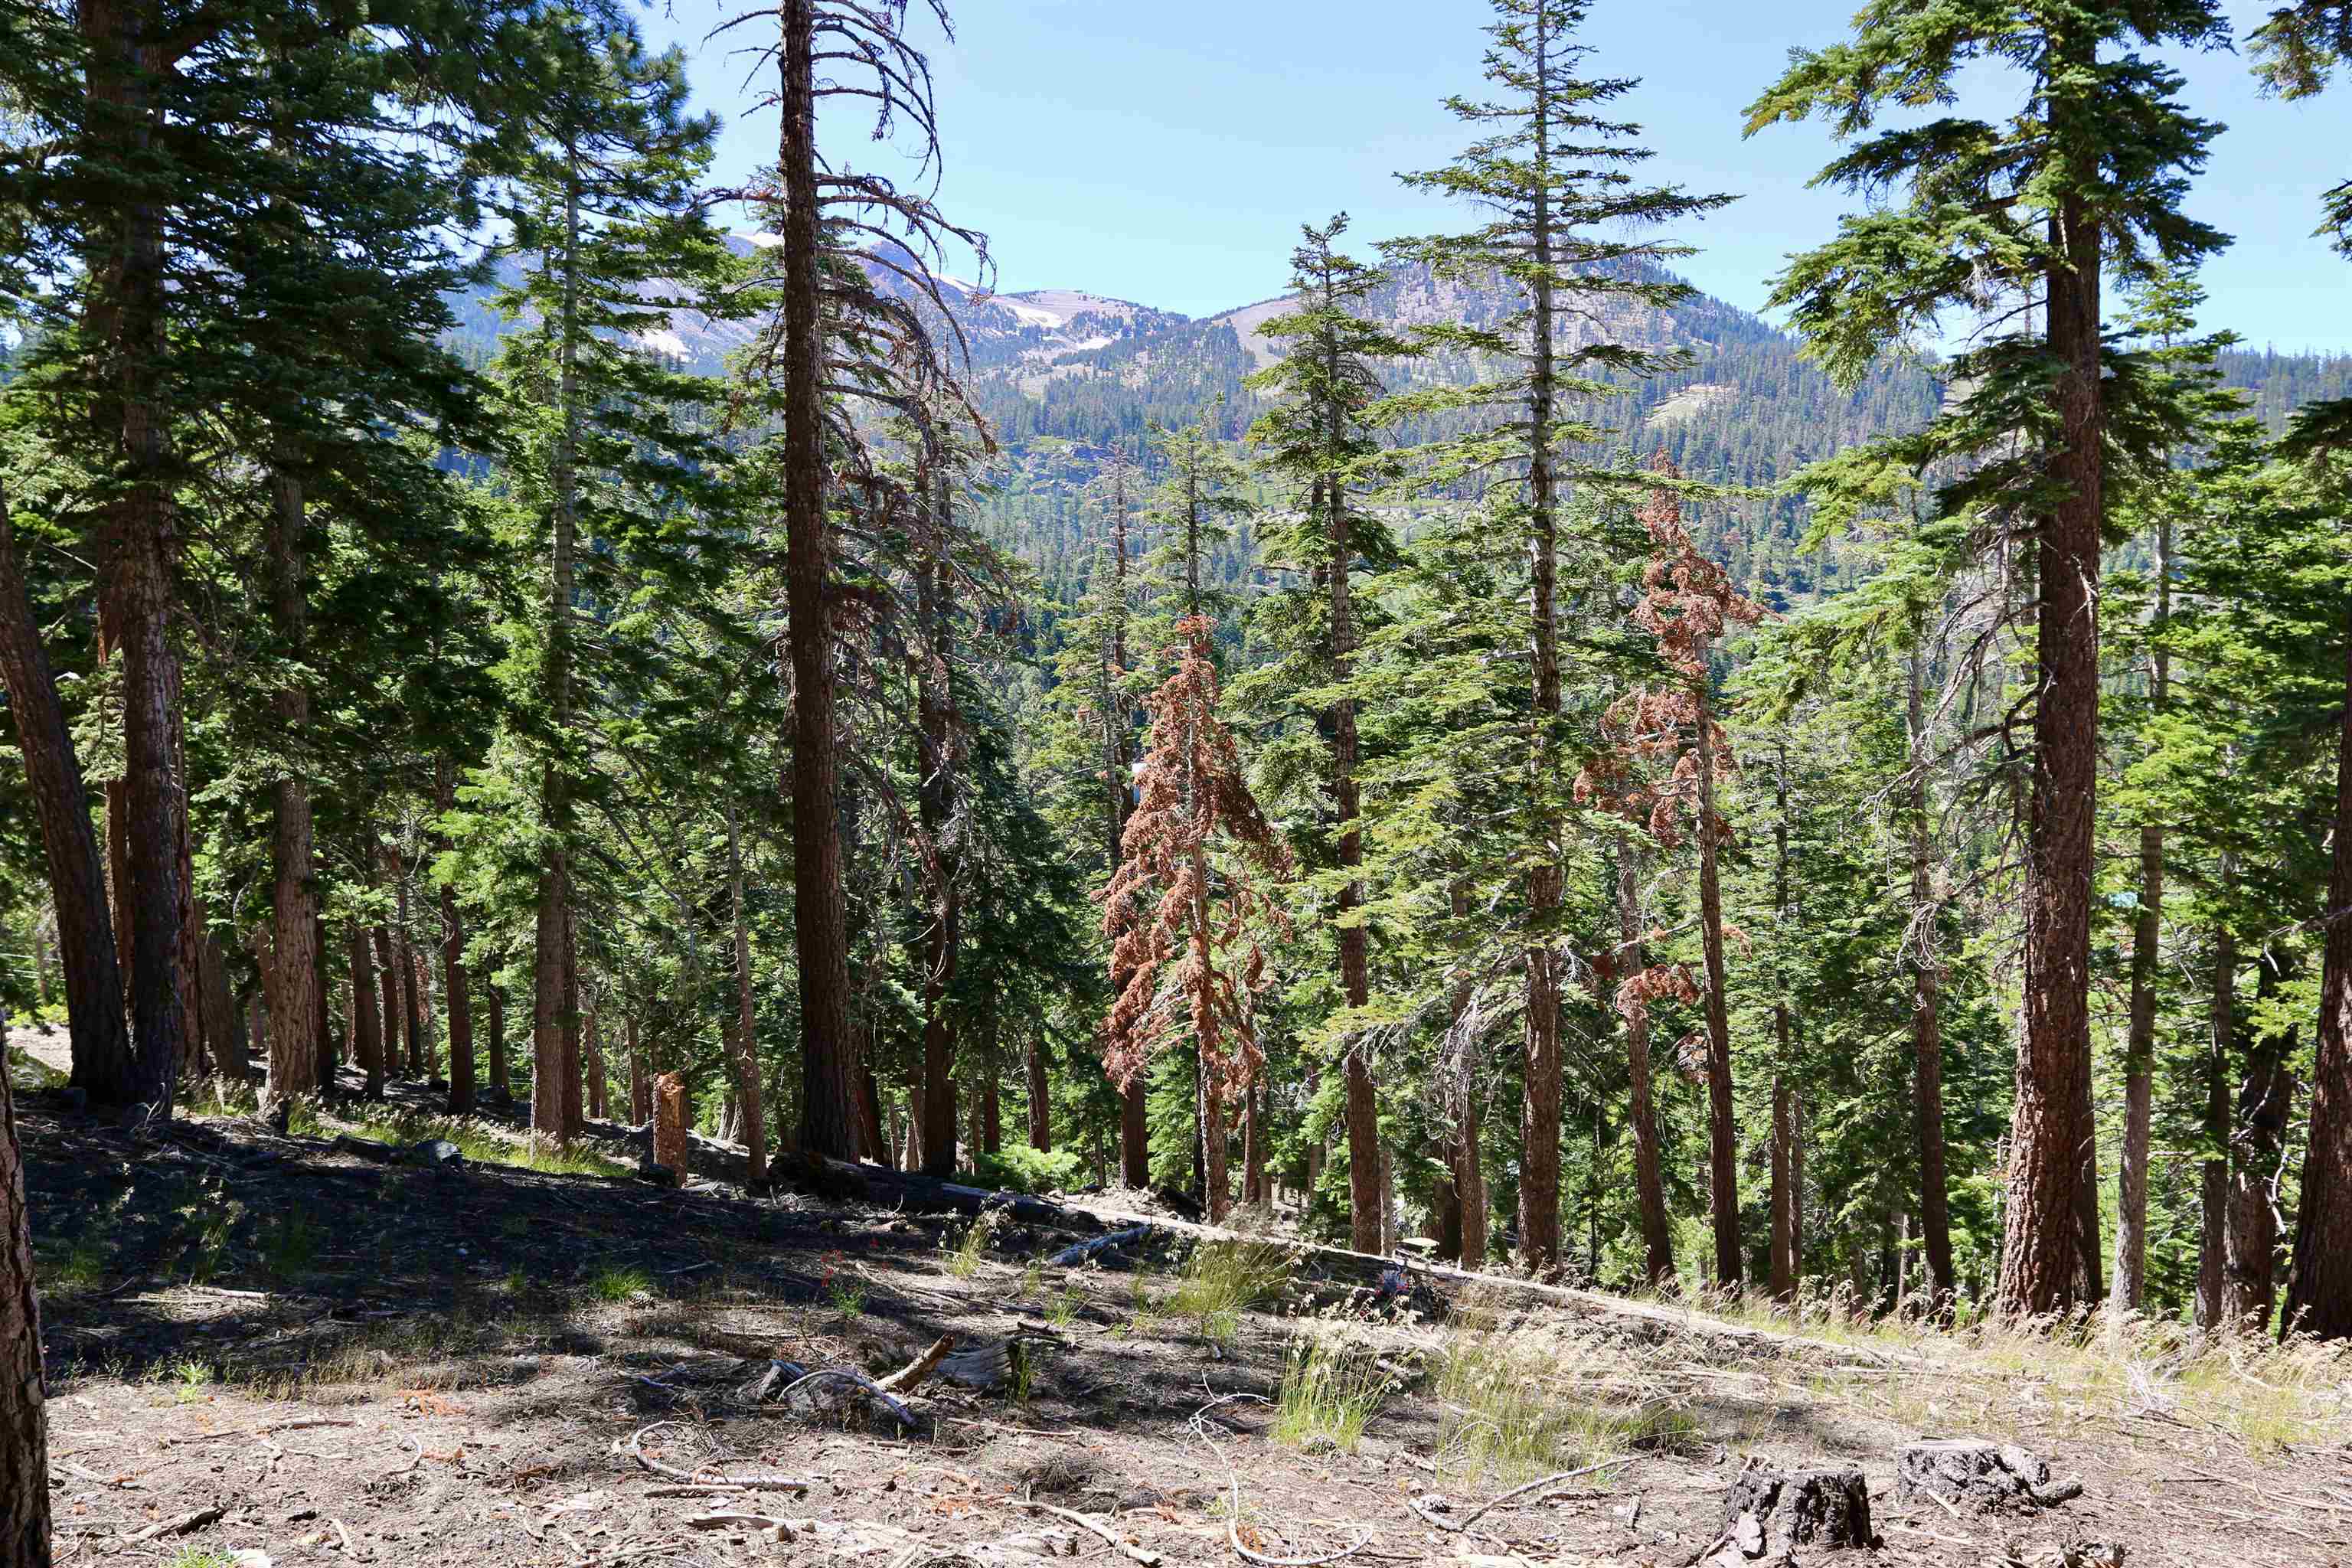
(260, 1343)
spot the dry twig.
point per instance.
(759, 1480)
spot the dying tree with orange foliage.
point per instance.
(1668, 756)
(1182, 910)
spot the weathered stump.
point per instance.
(1771, 1512)
(669, 1121)
(1986, 1475)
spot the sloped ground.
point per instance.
(331, 1360)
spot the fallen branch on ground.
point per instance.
(762, 1480)
(914, 1371)
(1474, 1515)
(1094, 1527)
(195, 1519)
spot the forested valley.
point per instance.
(1492, 757)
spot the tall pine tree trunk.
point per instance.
(294, 1047)
(553, 1001)
(1540, 1110)
(24, 1387)
(322, 966)
(2213, 1172)
(641, 1081)
(387, 971)
(1927, 1001)
(412, 1000)
(1041, 1104)
(2042, 1246)
(367, 1025)
(747, 1037)
(1642, 1110)
(1366, 1206)
(137, 547)
(456, 991)
(1134, 1132)
(821, 923)
(103, 1068)
(935, 805)
(600, 1079)
(1784, 1264)
(574, 1120)
(2266, 1097)
(2129, 1288)
(1723, 1147)
(496, 998)
(2320, 1289)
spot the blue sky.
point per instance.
(1168, 153)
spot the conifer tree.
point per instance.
(1687, 604)
(602, 204)
(1322, 439)
(2006, 219)
(1564, 241)
(93, 985)
(1180, 905)
(838, 335)
(1092, 737)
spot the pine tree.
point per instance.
(1322, 438)
(2031, 212)
(1555, 173)
(93, 983)
(1179, 905)
(1687, 605)
(602, 204)
(837, 332)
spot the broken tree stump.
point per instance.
(1986, 1475)
(1771, 1512)
(670, 1123)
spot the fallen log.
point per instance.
(1986, 1475)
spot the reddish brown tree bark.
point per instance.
(2319, 1288)
(24, 1387)
(103, 1066)
(367, 1027)
(2042, 1246)
(294, 906)
(1041, 1103)
(820, 924)
(137, 547)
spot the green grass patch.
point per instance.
(611, 1284)
(1330, 1390)
(1223, 1280)
(481, 1143)
(1505, 1417)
